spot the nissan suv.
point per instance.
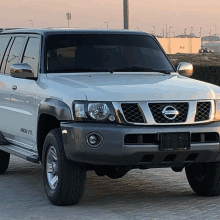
(105, 100)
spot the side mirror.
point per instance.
(22, 70)
(185, 69)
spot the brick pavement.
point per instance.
(141, 194)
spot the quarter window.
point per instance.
(14, 53)
(31, 54)
(3, 45)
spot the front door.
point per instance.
(9, 54)
(23, 93)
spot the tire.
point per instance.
(64, 180)
(204, 178)
(4, 161)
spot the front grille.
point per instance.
(157, 108)
(203, 111)
(132, 113)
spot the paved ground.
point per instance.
(148, 194)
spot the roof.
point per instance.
(211, 38)
(212, 44)
(49, 31)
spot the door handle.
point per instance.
(14, 87)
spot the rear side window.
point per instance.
(14, 53)
(3, 45)
(31, 54)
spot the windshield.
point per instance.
(104, 52)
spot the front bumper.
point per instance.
(115, 152)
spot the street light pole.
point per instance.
(68, 17)
(200, 32)
(154, 30)
(185, 31)
(191, 30)
(215, 30)
(107, 24)
(169, 31)
(163, 32)
(126, 15)
(166, 29)
(31, 23)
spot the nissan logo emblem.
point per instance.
(170, 112)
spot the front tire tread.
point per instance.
(72, 175)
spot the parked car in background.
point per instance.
(206, 50)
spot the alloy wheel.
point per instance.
(52, 167)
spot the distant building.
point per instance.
(186, 36)
(180, 45)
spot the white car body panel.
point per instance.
(129, 87)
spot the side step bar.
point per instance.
(21, 152)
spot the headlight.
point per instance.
(98, 111)
(217, 110)
(90, 111)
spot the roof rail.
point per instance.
(8, 29)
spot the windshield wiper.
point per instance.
(77, 70)
(111, 70)
(134, 69)
(163, 71)
(139, 69)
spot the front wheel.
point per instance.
(64, 180)
(204, 178)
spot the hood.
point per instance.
(137, 86)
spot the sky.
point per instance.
(143, 14)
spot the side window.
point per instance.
(6, 56)
(3, 45)
(31, 54)
(14, 53)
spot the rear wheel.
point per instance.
(204, 178)
(4, 161)
(64, 180)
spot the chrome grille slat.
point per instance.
(203, 111)
(157, 108)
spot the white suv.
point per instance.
(103, 100)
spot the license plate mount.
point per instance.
(174, 141)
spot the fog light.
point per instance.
(94, 139)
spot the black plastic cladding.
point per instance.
(55, 108)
